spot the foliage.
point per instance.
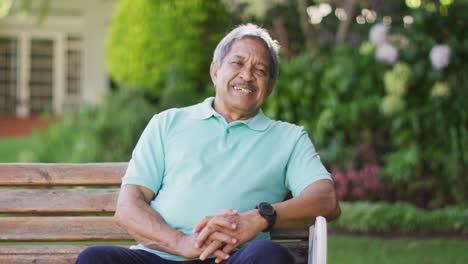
(11, 147)
(405, 119)
(401, 218)
(165, 46)
(108, 133)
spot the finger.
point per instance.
(202, 224)
(204, 235)
(223, 237)
(220, 256)
(227, 212)
(216, 224)
(228, 248)
(224, 222)
(210, 249)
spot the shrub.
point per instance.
(151, 44)
(108, 133)
(404, 118)
(400, 218)
(359, 184)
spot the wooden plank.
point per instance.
(39, 259)
(78, 228)
(56, 254)
(283, 234)
(69, 228)
(30, 174)
(68, 253)
(46, 249)
(75, 200)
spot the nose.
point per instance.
(246, 73)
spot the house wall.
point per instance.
(87, 19)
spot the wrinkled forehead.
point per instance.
(247, 46)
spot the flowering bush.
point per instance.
(359, 184)
(405, 114)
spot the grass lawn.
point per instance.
(363, 250)
(11, 147)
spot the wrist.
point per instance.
(180, 246)
(268, 212)
(260, 222)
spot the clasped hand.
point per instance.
(219, 235)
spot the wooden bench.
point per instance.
(51, 212)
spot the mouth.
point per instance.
(243, 90)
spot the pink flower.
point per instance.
(378, 34)
(386, 52)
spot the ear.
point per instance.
(213, 72)
(271, 85)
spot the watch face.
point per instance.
(267, 208)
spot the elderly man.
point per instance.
(207, 183)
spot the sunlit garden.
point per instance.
(380, 86)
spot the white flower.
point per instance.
(378, 34)
(440, 56)
(386, 52)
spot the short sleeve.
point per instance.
(304, 166)
(146, 167)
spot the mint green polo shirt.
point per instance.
(197, 164)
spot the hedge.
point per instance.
(400, 218)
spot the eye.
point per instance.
(260, 71)
(237, 63)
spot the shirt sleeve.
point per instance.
(304, 165)
(146, 167)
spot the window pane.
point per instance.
(41, 74)
(73, 56)
(8, 74)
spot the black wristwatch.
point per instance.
(268, 212)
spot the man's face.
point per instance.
(243, 80)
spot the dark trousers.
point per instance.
(258, 252)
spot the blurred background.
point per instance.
(381, 87)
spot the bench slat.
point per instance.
(69, 228)
(39, 259)
(68, 253)
(30, 174)
(280, 234)
(90, 200)
(81, 228)
(48, 249)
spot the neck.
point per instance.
(232, 115)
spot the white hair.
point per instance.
(253, 31)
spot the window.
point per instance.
(8, 74)
(39, 71)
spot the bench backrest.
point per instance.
(51, 212)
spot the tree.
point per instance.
(165, 46)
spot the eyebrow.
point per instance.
(243, 58)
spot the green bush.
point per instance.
(405, 118)
(108, 133)
(163, 45)
(400, 218)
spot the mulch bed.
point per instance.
(14, 127)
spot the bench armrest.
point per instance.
(318, 242)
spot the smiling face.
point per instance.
(243, 80)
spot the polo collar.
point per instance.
(259, 122)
